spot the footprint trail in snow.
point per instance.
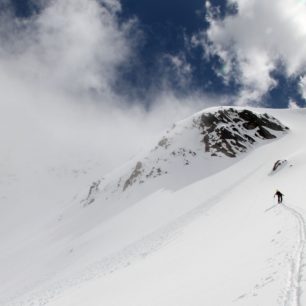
(293, 291)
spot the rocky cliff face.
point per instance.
(230, 131)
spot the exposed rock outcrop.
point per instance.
(230, 131)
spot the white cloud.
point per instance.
(57, 105)
(302, 86)
(262, 35)
(73, 44)
(293, 105)
(179, 69)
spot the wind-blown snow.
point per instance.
(202, 232)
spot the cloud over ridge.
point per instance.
(260, 37)
(57, 99)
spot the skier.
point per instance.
(279, 196)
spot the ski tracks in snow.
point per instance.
(293, 290)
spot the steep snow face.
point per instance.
(202, 232)
(202, 145)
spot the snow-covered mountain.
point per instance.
(191, 221)
(208, 141)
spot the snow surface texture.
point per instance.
(204, 230)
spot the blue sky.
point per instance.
(167, 28)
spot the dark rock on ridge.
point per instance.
(231, 131)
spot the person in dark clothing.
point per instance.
(279, 196)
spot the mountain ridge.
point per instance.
(215, 133)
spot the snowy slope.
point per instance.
(201, 231)
(193, 149)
